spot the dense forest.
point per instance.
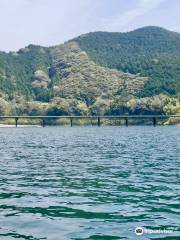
(149, 51)
(97, 73)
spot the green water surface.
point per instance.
(89, 183)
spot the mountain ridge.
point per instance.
(94, 32)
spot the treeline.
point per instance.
(160, 104)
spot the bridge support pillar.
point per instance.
(154, 121)
(16, 122)
(43, 122)
(99, 121)
(126, 122)
(71, 122)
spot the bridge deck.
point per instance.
(92, 117)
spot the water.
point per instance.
(64, 183)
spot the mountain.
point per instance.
(96, 73)
(151, 51)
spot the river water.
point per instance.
(62, 183)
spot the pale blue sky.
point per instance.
(51, 22)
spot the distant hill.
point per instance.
(96, 73)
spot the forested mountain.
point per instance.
(96, 73)
(150, 51)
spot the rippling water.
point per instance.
(89, 183)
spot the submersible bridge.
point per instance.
(43, 119)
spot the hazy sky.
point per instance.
(51, 22)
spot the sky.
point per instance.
(51, 22)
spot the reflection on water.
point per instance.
(88, 182)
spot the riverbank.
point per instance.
(21, 126)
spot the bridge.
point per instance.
(43, 119)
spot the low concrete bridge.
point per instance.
(126, 118)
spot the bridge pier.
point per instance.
(71, 122)
(16, 122)
(154, 121)
(126, 122)
(99, 121)
(43, 123)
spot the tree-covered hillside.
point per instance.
(95, 74)
(17, 69)
(150, 51)
(61, 80)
